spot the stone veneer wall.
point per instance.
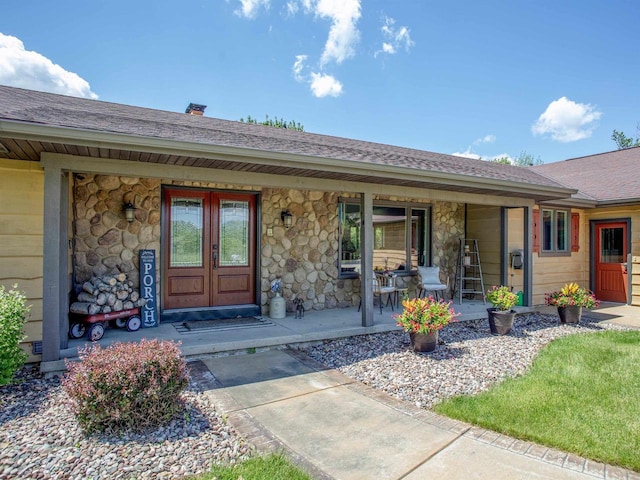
(304, 256)
(448, 229)
(104, 242)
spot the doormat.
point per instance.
(204, 326)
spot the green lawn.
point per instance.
(582, 395)
(272, 467)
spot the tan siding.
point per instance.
(21, 237)
(635, 280)
(632, 212)
(552, 272)
(515, 225)
(483, 224)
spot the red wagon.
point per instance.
(94, 325)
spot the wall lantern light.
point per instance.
(129, 211)
(287, 218)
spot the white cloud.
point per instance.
(292, 8)
(567, 121)
(486, 139)
(320, 84)
(341, 41)
(298, 66)
(27, 69)
(469, 154)
(343, 34)
(323, 85)
(249, 8)
(395, 38)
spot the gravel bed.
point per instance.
(467, 360)
(40, 439)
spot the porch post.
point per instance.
(504, 246)
(55, 263)
(366, 242)
(528, 256)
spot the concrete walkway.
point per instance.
(335, 427)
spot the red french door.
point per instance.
(611, 249)
(209, 244)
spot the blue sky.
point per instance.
(484, 79)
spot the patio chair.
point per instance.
(381, 287)
(431, 282)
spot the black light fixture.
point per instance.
(129, 211)
(287, 218)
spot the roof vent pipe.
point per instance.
(195, 109)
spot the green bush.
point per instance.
(126, 386)
(13, 313)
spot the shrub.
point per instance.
(126, 386)
(572, 295)
(501, 297)
(13, 313)
(425, 315)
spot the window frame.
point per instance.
(554, 251)
(424, 227)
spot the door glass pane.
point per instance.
(561, 231)
(186, 232)
(350, 243)
(612, 245)
(390, 246)
(234, 233)
(419, 236)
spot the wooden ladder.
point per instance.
(469, 271)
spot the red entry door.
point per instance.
(209, 249)
(611, 251)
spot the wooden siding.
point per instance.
(552, 272)
(21, 237)
(635, 280)
(483, 224)
(515, 241)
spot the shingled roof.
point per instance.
(73, 117)
(607, 178)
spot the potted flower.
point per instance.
(501, 316)
(570, 300)
(422, 318)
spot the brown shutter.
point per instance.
(575, 232)
(535, 233)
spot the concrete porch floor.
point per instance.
(314, 327)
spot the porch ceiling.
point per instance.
(31, 149)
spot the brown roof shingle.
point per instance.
(54, 110)
(606, 177)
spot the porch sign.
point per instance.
(148, 288)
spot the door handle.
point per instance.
(215, 256)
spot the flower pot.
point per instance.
(424, 342)
(500, 322)
(278, 307)
(570, 314)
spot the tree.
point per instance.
(502, 160)
(527, 160)
(622, 141)
(523, 160)
(276, 122)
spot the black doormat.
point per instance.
(203, 326)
